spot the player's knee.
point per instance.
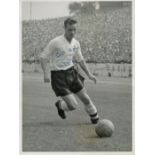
(73, 108)
(72, 105)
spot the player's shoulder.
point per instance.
(55, 40)
(58, 38)
(76, 42)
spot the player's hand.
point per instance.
(93, 78)
(46, 79)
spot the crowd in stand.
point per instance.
(104, 36)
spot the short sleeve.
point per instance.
(78, 55)
(47, 51)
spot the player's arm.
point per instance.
(44, 63)
(84, 66)
(80, 60)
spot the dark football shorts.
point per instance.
(65, 82)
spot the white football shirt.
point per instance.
(61, 53)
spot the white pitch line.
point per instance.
(88, 81)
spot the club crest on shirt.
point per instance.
(59, 53)
(75, 49)
(70, 50)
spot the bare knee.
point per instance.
(71, 103)
(71, 106)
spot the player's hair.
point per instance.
(69, 21)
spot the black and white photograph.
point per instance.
(77, 63)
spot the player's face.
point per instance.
(70, 31)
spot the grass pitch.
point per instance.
(43, 130)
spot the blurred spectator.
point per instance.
(105, 37)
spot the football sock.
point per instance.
(92, 111)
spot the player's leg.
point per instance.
(60, 81)
(89, 105)
(67, 103)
